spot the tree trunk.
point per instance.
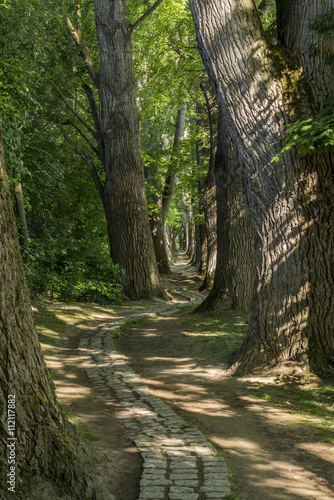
(210, 201)
(291, 201)
(171, 174)
(170, 243)
(196, 260)
(202, 233)
(200, 155)
(40, 440)
(233, 285)
(124, 196)
(18, 192)
(159, 242)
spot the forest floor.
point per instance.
(275, 432)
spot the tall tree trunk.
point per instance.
(18, 191)
(210, 201)
(210, 210)
(35, 431)
(202, 233)
(191, 236)
(124, 195)
(233, 285)
(291, 201)
(159, 241)
(171, 173)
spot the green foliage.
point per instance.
(268, 15)
(65, 276)
(324, 25)
(309, 136)
(315, 134)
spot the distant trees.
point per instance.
(260, 88)
(163, 201)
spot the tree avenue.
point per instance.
(260, 88)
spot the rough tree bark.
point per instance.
(233, 285)
(46, 445)
(260, 89)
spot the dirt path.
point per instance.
(272, 454)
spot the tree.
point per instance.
(233, 284)
(209, 194)
(260, 88)
(116, 132)
(49, 446)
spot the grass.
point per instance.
(53, 319)
(219, 335)
(218, 332)
(305, 395)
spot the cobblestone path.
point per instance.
(178, 462)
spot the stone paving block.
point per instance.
(212, 459)
(173, 442)
(187, 482)
(183, 496)
(216, 496)
(188, 460)
(218, 469)
(152, 454)
(189, 470)
(155, 462)
(181, 489)
(151, 496)
(180, 477)
(214, 488)
(215, 477)
(184, 453)
(203, 449)
(155, 482)
(153, 468)
(154, 477)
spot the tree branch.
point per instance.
(76, 114)
(87, 159)
(82, 49)
(80, 132)
(144, 16)
(93, 105)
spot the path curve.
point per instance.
(178, 462)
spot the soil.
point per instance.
(270, 453)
